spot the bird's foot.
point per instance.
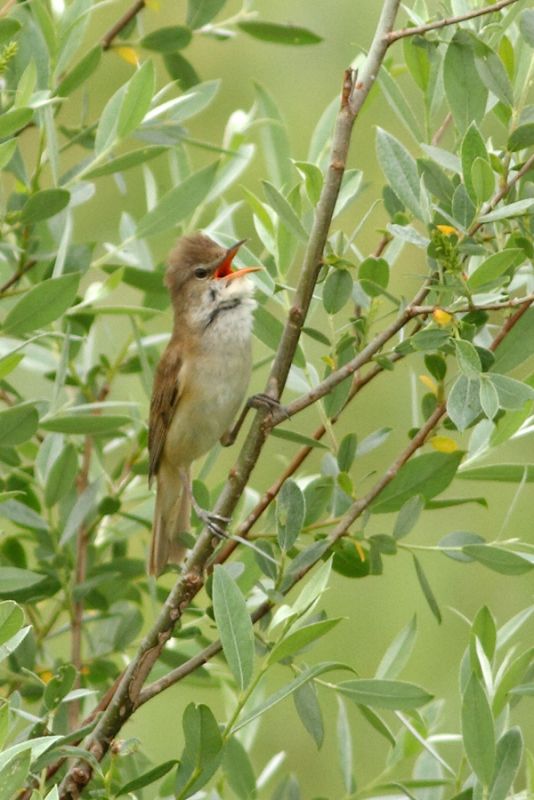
(262, 400)
(214, 522)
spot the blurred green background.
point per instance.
(304, 80)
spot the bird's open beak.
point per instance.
(224, 270)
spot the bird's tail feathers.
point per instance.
(171, 518)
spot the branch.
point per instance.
(122, 22)
(337, 376)
(513, 302)
(17, 276)
(420, 30)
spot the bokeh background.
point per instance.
(304, 80)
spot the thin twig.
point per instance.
(511, 321)
(501, 194)
(420, 30)
(513, 302)
(439, 134)
(122, 22)
(17, 276)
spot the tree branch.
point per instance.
(420, 30)
(122, 22)
(513, 302)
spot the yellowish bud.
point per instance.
(441, 317)
(444, 444)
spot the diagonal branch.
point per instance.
(420, 30)
(122, 22)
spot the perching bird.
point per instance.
(200, 381)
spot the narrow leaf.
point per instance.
(234, 625)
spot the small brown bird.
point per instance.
(200, 381)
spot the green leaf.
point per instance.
(408, 515)
(453, 544)
(126, 161)
(85, 423)
(507, 761)
(181, 70)
(373, 274)
(14, 775)
(136, 100)
(43, 304)
(494, 266)
(274, 137)
(9, 27)
(489, 399)
(284, 211)
(13, 579)
(301, 637)
(400, 170)
(512, 394)
(427, 475)
(62, 475)
(426, 589)
(279, 34)
(314, 180)
(309, 711)
(60, 685)
(417, 61)
(344, 748)
(494, 76)
(234, 626)
(22, 515)
(238, 769)
(167, 40)
(299, 438)
(13, 121)
(11, 620)
(375, 692)
(337, 290)
(463, 209)
(18, 424)
(200, 12)
(80, 73)
(526, 26)
(465, 91)
(290, 513)
(485, 631)
(504, 473)
(463, 403)
(521, 138)
(399, 104)
(7, 151)
(517, 209)
(478, 732)
(468, 358)
(267, 328)
(506, 562)
(43, 205)
(306, 675)
(349, 189)
(347, 452)
(483, 180)
(398, 653)
(178, 203)
(151, 776)
(516, 346)
(202, 752)
(106, 132)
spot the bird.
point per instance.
(200, 381)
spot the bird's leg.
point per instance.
(260, 400)
(213, 521)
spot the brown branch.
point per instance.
(440, 133)
(122, 22)
(337, 376)
(17, 276)
(498, 306)
(420, 30)
(511, 321)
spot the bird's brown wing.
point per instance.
(165, 397)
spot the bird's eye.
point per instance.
(200, 272)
